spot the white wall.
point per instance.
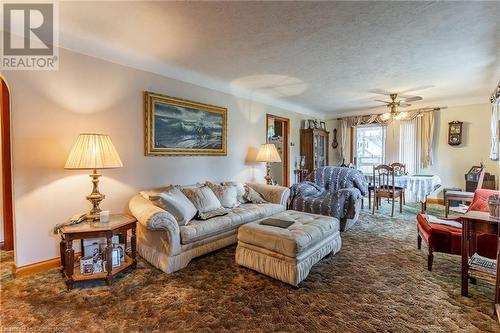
(50, 109)
(450, 162)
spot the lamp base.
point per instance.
(95, 198)
(268, 178)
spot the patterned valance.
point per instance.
(426, 135)
(380, 118)
(496, 93)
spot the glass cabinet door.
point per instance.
(321, 151)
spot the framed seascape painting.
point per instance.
(176, 126)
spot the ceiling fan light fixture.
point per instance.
(385, 116)
(401, 116)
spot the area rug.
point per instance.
(377, 283)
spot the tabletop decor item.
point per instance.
(93, 152)
(494, 206)
(269, 154)
(176, 126)
(455, 133)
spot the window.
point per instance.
(369, 148)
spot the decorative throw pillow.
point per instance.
(203, 198)
(240, 190)
(146, 194)
(253, 196)
(176, 203)
(227, 194)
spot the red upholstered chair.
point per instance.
(448, 239)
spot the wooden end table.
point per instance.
(476, 222)
(118, 224)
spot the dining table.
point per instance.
(417, 186)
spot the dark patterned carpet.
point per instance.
(377, 283)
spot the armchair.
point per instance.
(331, 191)
(448, 238)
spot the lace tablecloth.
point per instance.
(416, 186)
(419, 186)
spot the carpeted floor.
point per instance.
(377, 283)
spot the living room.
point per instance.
(417, 82)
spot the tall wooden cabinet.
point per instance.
(314, 146)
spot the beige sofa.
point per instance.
(170, 247)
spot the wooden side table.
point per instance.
(118, 224)
(475, 222)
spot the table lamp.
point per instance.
(269, 154)
(92, 152)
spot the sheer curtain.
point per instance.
(495, 110)
(410, 148)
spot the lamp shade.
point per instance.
(268, 153)
(93, 151)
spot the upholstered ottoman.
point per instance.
(288, 254)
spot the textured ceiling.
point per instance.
(308, 56)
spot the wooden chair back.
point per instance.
(399, 168)
(383, 178)
(481, 178)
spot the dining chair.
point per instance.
(400, 170)
(384, 187)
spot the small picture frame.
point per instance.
(121, 248)
(87, 265)
(98, 266)
(115, 258)
(92, 250)
(322, 125)
(311, 124)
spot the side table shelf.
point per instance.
(119, 225)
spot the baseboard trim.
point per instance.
(37, 267)
(435, 201)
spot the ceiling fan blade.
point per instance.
(413, 99)
(379, 100)
(380, 92)
(404, 105)
(417, 88)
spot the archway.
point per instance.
(6, 168)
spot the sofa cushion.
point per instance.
(240, 189)
(227, 194)
(203, 198)
(307, 231)
(198, 230)
(176, 203)
(253, 196)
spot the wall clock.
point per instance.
(335, 143)
(455, 133)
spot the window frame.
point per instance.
(353, 142)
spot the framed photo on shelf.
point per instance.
(311, 123)
(121, 248)
(115, 257)
(87, 265)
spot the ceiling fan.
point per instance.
(395, 103)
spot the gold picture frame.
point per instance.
(178, 127)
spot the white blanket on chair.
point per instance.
(435, 220)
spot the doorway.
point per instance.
(278, 133)
(7, 218)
